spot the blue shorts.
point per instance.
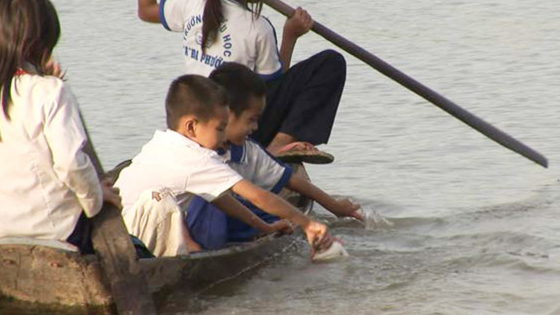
(212, 229)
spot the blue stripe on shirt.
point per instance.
(236, 153)
(283, 180)
(275, 75)
(288, 171)
(162, 15)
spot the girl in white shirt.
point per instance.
(48, 185)
(301, 100)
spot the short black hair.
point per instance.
(241, 83)
(193, 95)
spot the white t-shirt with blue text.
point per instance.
(242, 38)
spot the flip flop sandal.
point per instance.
(306, 156)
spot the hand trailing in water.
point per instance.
(322, 245)
(346, 208)
(283, 226)
(110, 193)
(317, 236)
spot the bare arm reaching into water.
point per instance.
(340, 208)
(234, 208)
(315, 232)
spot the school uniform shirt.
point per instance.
(179, 165)
(257, 166)
(46, 180)
(242, 38)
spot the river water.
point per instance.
(475, 227)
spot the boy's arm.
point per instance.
(342, 208)
(316, 232)
(297, 25)
(232, 207)
(148, 11)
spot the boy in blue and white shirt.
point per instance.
(246, 101)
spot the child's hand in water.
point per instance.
(346, 208)
(322, 245)
(282, 226)
(299, 24)
(317, 236)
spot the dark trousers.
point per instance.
(81, 236)
(303, 102)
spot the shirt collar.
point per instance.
(235, 154)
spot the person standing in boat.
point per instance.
(181, 162)
(301, 101)
(246, 103)
(49, 186)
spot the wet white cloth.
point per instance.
(157, 220)
(45, 177)
(334, 252)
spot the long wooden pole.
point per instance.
(117, 255)
(470, 119)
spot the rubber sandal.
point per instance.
(306, 156)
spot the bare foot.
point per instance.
(279, 141)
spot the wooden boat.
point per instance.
(51, 275)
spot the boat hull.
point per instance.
(49, 276)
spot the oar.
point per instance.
(418, 88)
(118, 257)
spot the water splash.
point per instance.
(373, 220)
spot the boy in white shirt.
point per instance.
(247, 100)
(182, 162)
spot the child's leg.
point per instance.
(301, 106)
(206, 224)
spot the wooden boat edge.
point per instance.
(163, 273)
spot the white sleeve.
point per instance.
(269, 173)
(66, 137)
(172, 14)
(268, 64)
(212, 178)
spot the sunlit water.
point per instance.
(475, 227)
